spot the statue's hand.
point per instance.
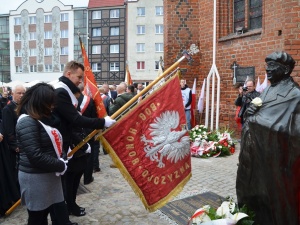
(251, 110)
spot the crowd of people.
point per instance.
(38, 129)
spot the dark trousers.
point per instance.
(88, 172)
(96, 155)
(59, 214)
(72, 183)
(38, 217)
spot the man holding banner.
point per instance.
(66, 103)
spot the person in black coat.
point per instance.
(65, 107)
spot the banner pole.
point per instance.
(186, 54)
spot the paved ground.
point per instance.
(112, 201)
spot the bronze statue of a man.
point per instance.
(268, 176)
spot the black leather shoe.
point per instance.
(97, 170)
(85, 183)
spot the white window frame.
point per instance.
(159, 29)
(114, 66)
(141, 11)
(32, 52)
(47, 51)
(140, 47)
(47, 18)
(64, 50)
(48, 68)
(18, 37)
(64, 17)
(141, 29)
(64, 33)
(96, 67)
(18, 53)
(114, 31)
(32, 20)
(96, 32)
(159, 10)
(96, 15)
(48, 34)
(140, 65)
(114, 48)
(114, 13)
(19, 69)
(159, 47)
(32, 36)
(33, 68)
(17, 20)
(96, 49)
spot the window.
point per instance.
(32, 52)
(114, 31)
(33, 68)
(48, 19)
(32, 19)
(159, 29)
(156, 65)
(64, 17)
(96, 32)
(114, 13)
(140, 65)
(141, 11)
(140, 47)
(48, 68)
(114, 49)
(48, 34)
(159, 47)
(114, 66)
(32, 36)
(18, 37)
(64, 51)
(62, 67)
(96, 15)
(18, 21)
(96, 66)
(18, 53)
(159, 10)
(48, 51)
(96, 49)
(64, 33)
(249, 17)
(19, 69)
(140, 29)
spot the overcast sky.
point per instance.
(14, 4)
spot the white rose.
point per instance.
(257, 101)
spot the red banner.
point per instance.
(151, 147)
(90, 84)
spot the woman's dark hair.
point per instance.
(37, 101)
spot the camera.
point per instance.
(245, 89)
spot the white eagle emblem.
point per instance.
(175, 145)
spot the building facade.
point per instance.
(107, 40)
(247, 31)
(4, 49)
(41, 40)
(145, 32)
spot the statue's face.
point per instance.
(275, 71)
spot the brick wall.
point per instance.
(191, 21)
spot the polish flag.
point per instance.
(264, 84)
(201, 98)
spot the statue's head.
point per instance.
(279, 66)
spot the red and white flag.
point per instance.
(128, 79)
(193, 105)
(152, 148)
(90, 85)
(264, 84)
(201, 98)
(257, 88)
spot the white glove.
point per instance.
(69, 157)
(66, 167)
(108, 121)
(89, 150)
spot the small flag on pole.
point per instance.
(201, 98)
(264, 84)
(257, 85)
(90, 85)
(128, 79)
(193, 105)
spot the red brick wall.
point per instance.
(191, 21)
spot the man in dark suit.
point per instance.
(65, 107)
(112, 94)
(269, 166)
